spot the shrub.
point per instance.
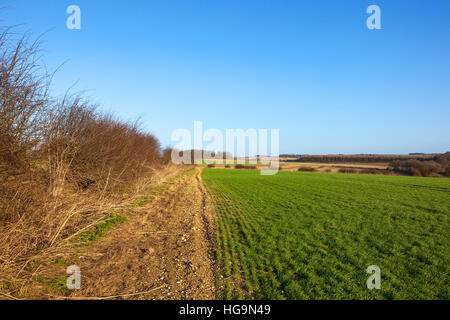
(83, 144)
(415, 172)
(420, 168)
(167, 155)
(307, 169)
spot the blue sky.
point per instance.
(309, 68)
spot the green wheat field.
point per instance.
(299, 235)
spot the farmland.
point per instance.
(300, 235)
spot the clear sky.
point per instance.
(309, 68)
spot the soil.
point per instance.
(164, 251)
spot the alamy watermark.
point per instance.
(73, 22)
(374, 281)
(74, 280)
(251, 146)
(374, 20)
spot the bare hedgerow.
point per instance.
(62, 162)
(96, 150)
(24, 102)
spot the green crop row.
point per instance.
(312, 235)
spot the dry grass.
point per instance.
(27, 241)
(438, 166)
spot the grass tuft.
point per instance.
(101, 229)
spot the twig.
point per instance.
(9, 296)
(84, 228)
(96, 222)
(71, 213)
(109, 297)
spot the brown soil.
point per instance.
(164, 251)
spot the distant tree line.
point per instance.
(193, 154)
(286, 155)
(438, 165)
(359, 158)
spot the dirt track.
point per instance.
(165, 251)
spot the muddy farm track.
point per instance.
(164, 251)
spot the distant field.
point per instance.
(312, 235)
(332, 167)
(383, 158)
